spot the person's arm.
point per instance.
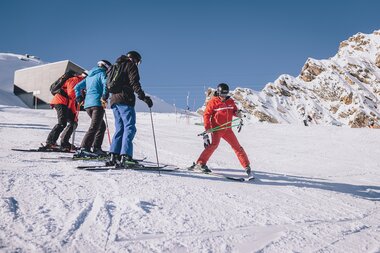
(79, 87)
(134, 80)
(235, 109)
(208, 114)
(103, 79)
(70, 84)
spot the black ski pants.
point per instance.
(95, 134)
(65, 123)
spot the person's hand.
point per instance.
(239, 114)
(148, 101)
(206, 140)
(104, 103)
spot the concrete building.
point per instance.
(32, 85)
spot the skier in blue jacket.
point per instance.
(96, 91)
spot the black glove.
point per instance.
(79, 99)
(206, 140)
(148, 101)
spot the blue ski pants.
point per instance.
(125, 129)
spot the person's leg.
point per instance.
(88, 138)
(67, 132)
(117, 138)
(58, 128)
(230, 137)
(209, 150)
(98, 116)
(128, 116)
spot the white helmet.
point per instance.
(104, 64)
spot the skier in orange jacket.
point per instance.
(65, 105)
(220, 110)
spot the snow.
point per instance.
(316, 190)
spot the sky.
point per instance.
(187, 46)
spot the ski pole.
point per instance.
(222, 126)
(76, 117)
(108, 130)
(154, 138)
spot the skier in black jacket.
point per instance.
(123, 107)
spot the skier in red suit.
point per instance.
(220, 110)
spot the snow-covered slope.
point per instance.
(317, 190)
(342, 90)
(9, 63)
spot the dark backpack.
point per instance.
(116, 78)
(56, 87)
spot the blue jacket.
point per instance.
(95, 86)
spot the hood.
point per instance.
(122, 58)
(95, 71)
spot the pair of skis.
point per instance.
(141, 167)
(240, 179)
(136, 166)
(165, 168)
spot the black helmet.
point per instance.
(135, 56)
(223, 90)
(104, 64)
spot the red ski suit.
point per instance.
(217, 113)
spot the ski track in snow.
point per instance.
(307, 196)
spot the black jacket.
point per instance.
(132, 84)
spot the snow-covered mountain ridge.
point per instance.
(341, 90)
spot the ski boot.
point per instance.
(48, 147)
(197, 166)
(127, 161)
(248, 171)
(84, 153)
(99, 152)
(114, 160)
(67, 146)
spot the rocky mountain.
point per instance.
(341, 90)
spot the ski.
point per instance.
(131, 167)
(239, 179)
(71, 158)
(43, 150)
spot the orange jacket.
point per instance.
(68, 87)
(218, 112)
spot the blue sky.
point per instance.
(187, 45)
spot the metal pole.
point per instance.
(154, 138)
(75, 127)
(108, 130)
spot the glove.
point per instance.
(79, 99)
(206, 140)
(239, 114)
(104, 103)
(148, 101)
